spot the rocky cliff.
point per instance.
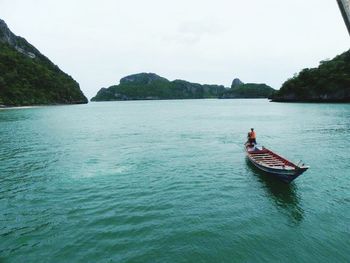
(27, 77)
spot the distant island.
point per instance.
(330, 82)
(27, 77)
(150, 86)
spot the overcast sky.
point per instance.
(100, 41)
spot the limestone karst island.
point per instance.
(330, 82)
(150, 86)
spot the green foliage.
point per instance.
(329, 82)
(32, 81)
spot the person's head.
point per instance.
(252, 129)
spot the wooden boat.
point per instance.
(273, 164)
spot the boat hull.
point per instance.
(281, 173)
(284, 176)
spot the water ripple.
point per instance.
(168, 181)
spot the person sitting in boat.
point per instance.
(252, 136)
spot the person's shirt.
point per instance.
(253, 135)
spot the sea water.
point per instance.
(168, 181)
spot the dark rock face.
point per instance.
(149, 86)
(27, 77)
(18, 43)
(236, 83)
(6, 36)
(330, 82)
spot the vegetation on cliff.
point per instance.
(29, 78)
(249, 90)
(330, 82)
(151, 86)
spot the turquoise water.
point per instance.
(168, 181)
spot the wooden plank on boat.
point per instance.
(274, 162)
(263, 159)
(278, 163)
(260, 154)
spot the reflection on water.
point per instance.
(285, 196)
